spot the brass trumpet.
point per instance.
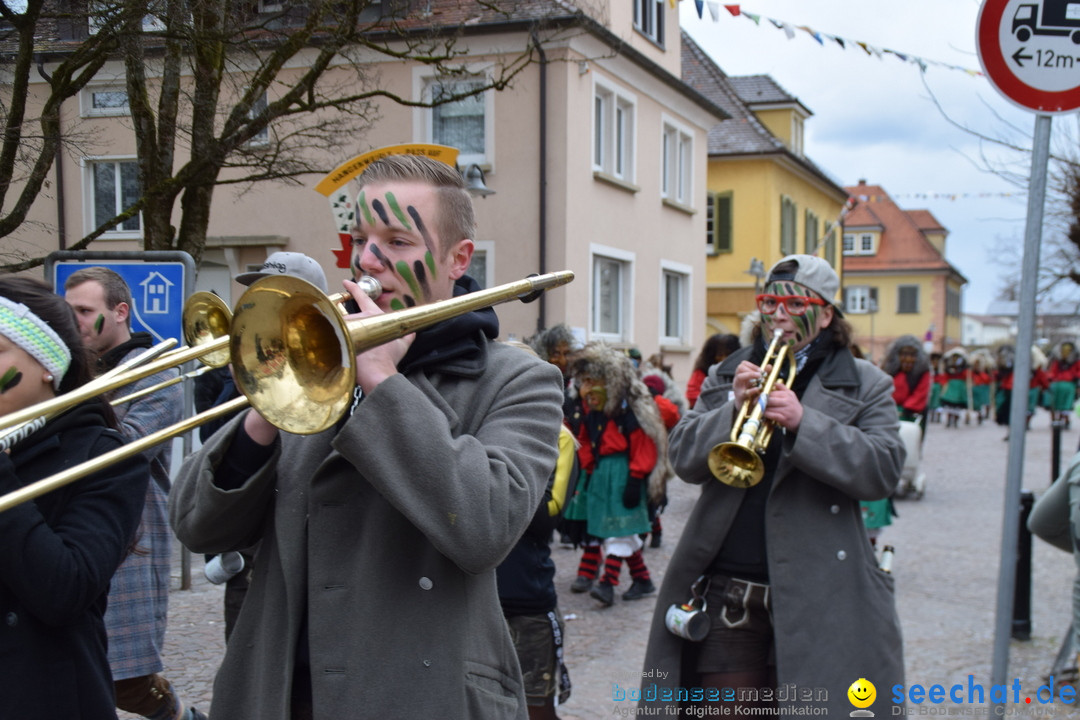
(738, 463)
(294, 354)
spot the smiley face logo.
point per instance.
(862, 693)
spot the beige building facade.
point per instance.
(597, 157)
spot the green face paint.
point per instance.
(430, 264)
(805, 325)
(362, 202)
(396, 209)
(396, 304)
(10, 379)
(406, 273)
(99, 324)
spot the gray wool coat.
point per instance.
(388, 532)
(834, 615)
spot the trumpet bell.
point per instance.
(206, 318)
(736, 465)
(292, 357)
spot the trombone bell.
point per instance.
(206, 318)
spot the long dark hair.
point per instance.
(715, 349)
(58, 315)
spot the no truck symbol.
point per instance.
(1049, 17)
(1030, 51)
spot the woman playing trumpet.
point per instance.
(791, 584)
(61, 549)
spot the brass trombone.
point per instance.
(294, 357)
(206, 321)
(206, 318)
(738, 463)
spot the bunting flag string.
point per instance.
(735, 10)
(939, 196)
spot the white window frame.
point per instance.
(857, 299)
(86, 100)
(95, 21)
(677, 162)
(614, 137)
(487, 247)
(685, 273)
(859, 241)
(797, 132)
(89, 221)
(424, 117)
(262, 139)
(626, 293)
(649, 19)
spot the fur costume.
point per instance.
(892, 358)
(548, 339)
(671, 390)
(624, 388)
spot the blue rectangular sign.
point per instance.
(157, 293)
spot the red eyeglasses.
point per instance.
(794, 305)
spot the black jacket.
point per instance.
(59, 552)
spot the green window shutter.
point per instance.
(718, 223)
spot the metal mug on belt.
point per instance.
(737, 596)
(689, 620)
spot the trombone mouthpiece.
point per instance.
(371, 287)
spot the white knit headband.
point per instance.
(20, 325)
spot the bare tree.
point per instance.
(1060, 246)
(244, 96)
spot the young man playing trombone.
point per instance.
(777, 546)
(139, 595)
(373, 591)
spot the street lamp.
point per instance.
(474, 181)
(757, 269)
(871, 307)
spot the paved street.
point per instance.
(946, 568)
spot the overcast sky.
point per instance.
(874, 117)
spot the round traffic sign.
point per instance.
(1030, 51)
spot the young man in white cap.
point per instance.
(792, 585)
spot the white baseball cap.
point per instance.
(288, 263)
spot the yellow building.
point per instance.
(766, 199)
(896, 279)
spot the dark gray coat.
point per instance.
(833, 610)
(392, 528)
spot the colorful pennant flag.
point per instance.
(736, 10)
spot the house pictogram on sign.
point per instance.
(156, 288)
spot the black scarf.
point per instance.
(112, 358)
(454, 339)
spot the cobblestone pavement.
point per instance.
(946, 569)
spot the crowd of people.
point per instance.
(369, 579)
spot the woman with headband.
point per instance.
(61, 549)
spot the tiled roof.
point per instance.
(743, 133)
(903, 245)
(763, 90)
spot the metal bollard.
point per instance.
(1021, 620)
(1055, 449)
